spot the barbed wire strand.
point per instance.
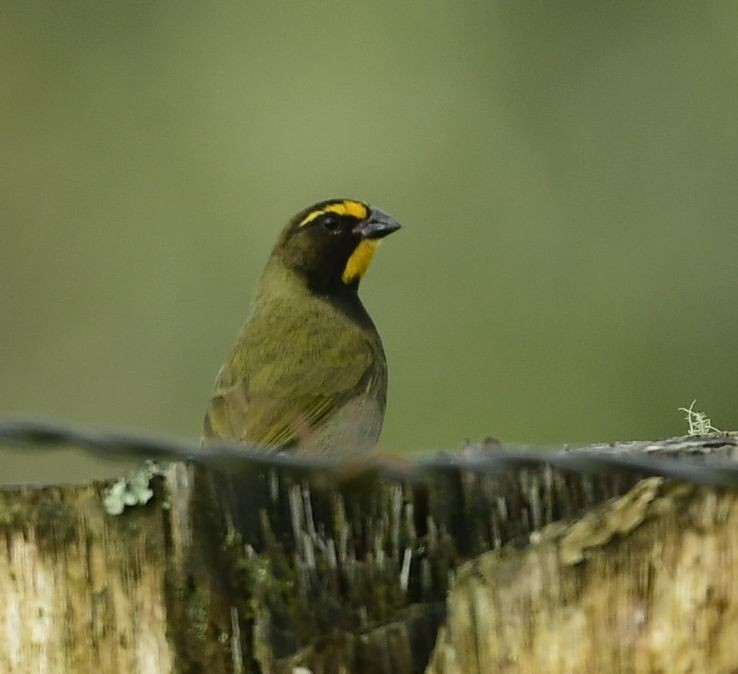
(631, 458)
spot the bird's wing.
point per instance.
(278, 406)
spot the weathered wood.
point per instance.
(648, 583)
(268, 572)
(81, 591)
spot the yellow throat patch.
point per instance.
(360, 260)
(347, 207)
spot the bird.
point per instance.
(308, 372)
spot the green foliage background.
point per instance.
(566, 174)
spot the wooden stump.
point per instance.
(257, 570)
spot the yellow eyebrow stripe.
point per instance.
(354, 208)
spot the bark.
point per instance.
(255, 571)
(646, 584)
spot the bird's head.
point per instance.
(331, 243)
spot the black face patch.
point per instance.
(320, 241)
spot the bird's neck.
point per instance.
(281, 283)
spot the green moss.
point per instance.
(12, 513)
(56, 522)
(197, 615)
(253, 576)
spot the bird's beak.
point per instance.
(377, 225)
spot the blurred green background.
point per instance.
(565, 172)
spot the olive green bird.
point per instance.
(309, 371)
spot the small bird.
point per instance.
(308, 371)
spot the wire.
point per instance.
(704, 460)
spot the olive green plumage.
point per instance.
(309, 370)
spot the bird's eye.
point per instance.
(332, 223)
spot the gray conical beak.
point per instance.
(377, 225)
